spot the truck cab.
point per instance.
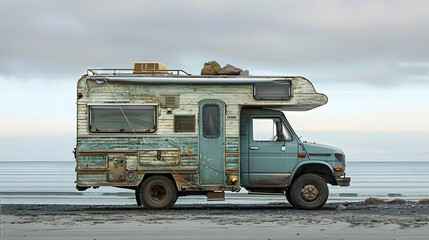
(274, 160)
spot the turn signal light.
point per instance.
(301, 155)
(338, 168)
(234, 180)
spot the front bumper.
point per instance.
(343, 181)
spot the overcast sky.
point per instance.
(370, 57)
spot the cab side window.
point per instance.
(269, 130)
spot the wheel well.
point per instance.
(318, 169)
(146, 176)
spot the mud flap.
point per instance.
(139, 203)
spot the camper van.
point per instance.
(166, 134)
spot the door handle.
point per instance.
(254, 148)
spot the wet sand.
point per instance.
(215, 221)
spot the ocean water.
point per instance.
(42, 182)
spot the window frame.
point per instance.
(155, 109)
(284, 129)
(217, 135)
(188, 131)
(289, 82)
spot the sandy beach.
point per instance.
(216, 221)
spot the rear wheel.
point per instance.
(157, 192)
(309, 191)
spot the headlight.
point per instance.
(341, 158)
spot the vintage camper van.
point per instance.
(165, 134)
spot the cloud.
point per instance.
(414, 64)
(50, 39)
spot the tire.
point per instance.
(309, 192)
(157, 192)
(288, 197)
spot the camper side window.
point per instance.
(185, 123)
(272, 91)
(122, 118)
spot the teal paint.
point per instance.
(321, 152)
(232, 163)
(211, 143)
(270, 162)
(132, 144)
(232, 144)
(244, 149)
(303, 163)
(125, 144)
(92, 159)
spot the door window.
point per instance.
(211, 121)
(269, 130)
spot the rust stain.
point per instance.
(277, 180)
(234, 154)
(91, 171)
(168, 171)
(98, 153)
(122, 184)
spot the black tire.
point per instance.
(309, 192)
(288, 197)
(158, 192)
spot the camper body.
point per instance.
(167, 135)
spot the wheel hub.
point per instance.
(158, 193)
(310, 193)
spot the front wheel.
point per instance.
(288, 197)
(157, 192)
(309, 191)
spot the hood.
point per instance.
(315, 148)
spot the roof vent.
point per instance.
(149, 67)
(170, 101)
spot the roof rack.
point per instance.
(129, 72)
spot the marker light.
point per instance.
(79, 95)
(301, 155)
(338, 168)
(234, 180)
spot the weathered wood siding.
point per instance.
(233, 96)
(166, 151)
